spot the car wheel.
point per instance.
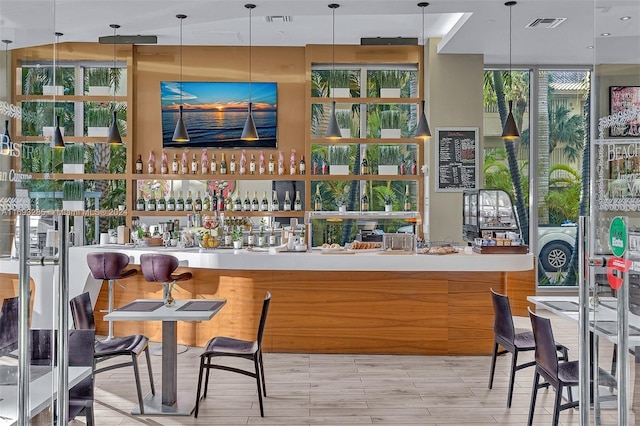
(555, 257)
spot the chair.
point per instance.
(228, 346)
(557, 374)
(9, 326)
(131, 346)
(43, 351)
(109, 266)
(159, 268)
(512, 342)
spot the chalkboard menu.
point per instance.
(456, 159)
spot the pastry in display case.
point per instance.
(488, 214)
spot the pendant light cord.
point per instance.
(250, 56)
(510, 70)
(333, 50)
(181, 19)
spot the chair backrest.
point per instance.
(107, 266)
(503, 321)
(82, 312)
(158, 267)
(9, 325)
(263, 317)
(546, 355)
(44, 347)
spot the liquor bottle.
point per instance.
(232, 164)
(214, 201)
(303, 165)
(206, 203)
(255, 204)
(237, 203)
(250, 238)
(287, 202)
(223, 165)
(139, 165)
(261, 167)
(151, 205)
(293, 167)
(246, 205)
(188, 203)
(314, 166)
(171, 202)
(174, 164)
(180, 202)
(221, 203)
(252, 165)
(272, 237)
(364, 203)
(297, 203)
(403, 167)
(184, 166)
(213, 167)
(264, 206)
(272, 165)
(414, 167)
(194, 165)
(151, 164)
(204, 162)
(325, 166)
(161, 204)
(407, 199)
(197, 205)
(164, 166)
(317, 200)
(275, 204)
(227, 237)
(364, 166)
(303, 238)
(140, 204)
(226, 202)
(261, 237)
(243, 162)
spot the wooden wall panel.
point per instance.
(520, 285)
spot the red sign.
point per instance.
(615, 267)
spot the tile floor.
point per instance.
(317, 389)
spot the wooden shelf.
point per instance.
(71, 98)
(86, 176)
(365, 177)
(75, 139)
(226, 213)
(217, 177)
(370, 141)
(316, 100)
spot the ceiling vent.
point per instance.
(545, 22)
(278, 18)
(128, 39)
(389, 41)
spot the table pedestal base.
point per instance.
(184, 405)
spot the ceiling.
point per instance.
(465, 26)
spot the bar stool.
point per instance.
(109, 266)
(158, 268)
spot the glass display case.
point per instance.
(486, 213)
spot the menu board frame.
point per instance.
(443, 159)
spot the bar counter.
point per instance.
(366, 302)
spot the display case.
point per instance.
(341, 228)
(486, 213)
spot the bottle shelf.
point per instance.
(146, 176)
(227, 213)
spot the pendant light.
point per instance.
(333, 130)
(114, 137)
(510, 129)
(58, 141)
(6, 138)
(180, 134)
(423, 131)
(249, 132)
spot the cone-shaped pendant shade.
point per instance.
(249, 132)
(423, 131)
(510, 129)
(114, 134)
(180, 134)
(333, 131)
(57, 141)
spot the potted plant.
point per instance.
(47, 86)
(390, 83)
(236, 236)
(344, 122)
(98, 121)
(99, 81)
(388, 200)
(390, 124)
(340, 83)
(342, 199)
(73, 195)
(388, 159)
(338, 160)
(73, 159)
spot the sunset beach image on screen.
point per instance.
(215, 112)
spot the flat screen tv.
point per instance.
(215, 112)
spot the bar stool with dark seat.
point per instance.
(109, 266)
(159, 268)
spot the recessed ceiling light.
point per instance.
(605, 34)
(589, 47)
(625, 18)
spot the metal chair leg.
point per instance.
(195, 413)
(257, 367)
(512, 377)
(148, 356)
(136, 374)
(534, 394)
(493, 364)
